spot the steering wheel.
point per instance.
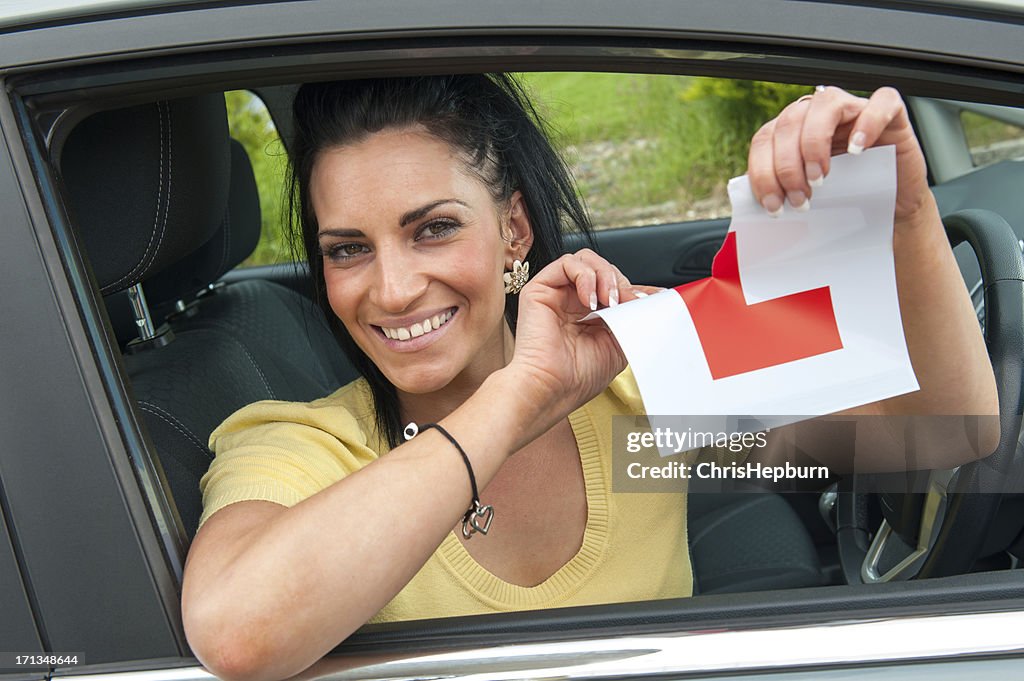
(973, 495)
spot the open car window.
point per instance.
(651, 150)
(660, 172)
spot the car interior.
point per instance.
(164, 207)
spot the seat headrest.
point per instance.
(231, 244)
(147, 185)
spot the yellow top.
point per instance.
(634, 545)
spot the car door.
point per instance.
(88, 521)
(80, 557)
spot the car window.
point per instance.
(250, 123)
(991, 140)
(655, 149)
(644, 149)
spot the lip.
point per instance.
(420, 342)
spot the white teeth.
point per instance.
(418, 329)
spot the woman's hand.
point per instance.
(565, 362)
(791, 154)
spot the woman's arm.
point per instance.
(268, 590)
(791, 154)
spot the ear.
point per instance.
(519, 231)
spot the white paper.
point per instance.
(843, 242)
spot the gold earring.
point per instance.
(516, 279)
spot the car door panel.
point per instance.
(64, 498)
(18, 631)
(662, 255)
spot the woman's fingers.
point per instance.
(791, 155)
(883, 108)
(611, 286)
(641, 291)
(598, 283)
(787, 163)
(761, 170)
(826, 125)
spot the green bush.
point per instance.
(676, 140)
(714, 122)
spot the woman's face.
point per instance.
(413, 257)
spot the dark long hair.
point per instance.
(488, 118)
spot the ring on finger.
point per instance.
(817, 89)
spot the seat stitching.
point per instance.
(175, 423)
(726, 516)
(170, 181)
(319, 364)
(266, 384)
(146, 260)
(159, 194)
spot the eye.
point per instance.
(343, 252)
(438, 229)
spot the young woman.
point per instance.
(416, 198)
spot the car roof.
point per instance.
(22, 12)
(14, 13)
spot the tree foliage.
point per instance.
(250, 124)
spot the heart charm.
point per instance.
(478, 520)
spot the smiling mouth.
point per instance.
(418, 329)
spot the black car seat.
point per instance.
(163, 199)
(749, 541)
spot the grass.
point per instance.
(593, 107)
(617, 131)
(644, 149)
(982, 131)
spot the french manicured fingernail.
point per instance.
(593, 301)
(773, 204)
(815, 177)
(856, 143)
(640, 294)
(613, 297)
(799, 201)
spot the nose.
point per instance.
(399, 280)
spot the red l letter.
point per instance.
(738, 338)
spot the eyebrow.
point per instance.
(417, 213)
(342, 233)
(410, 216)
